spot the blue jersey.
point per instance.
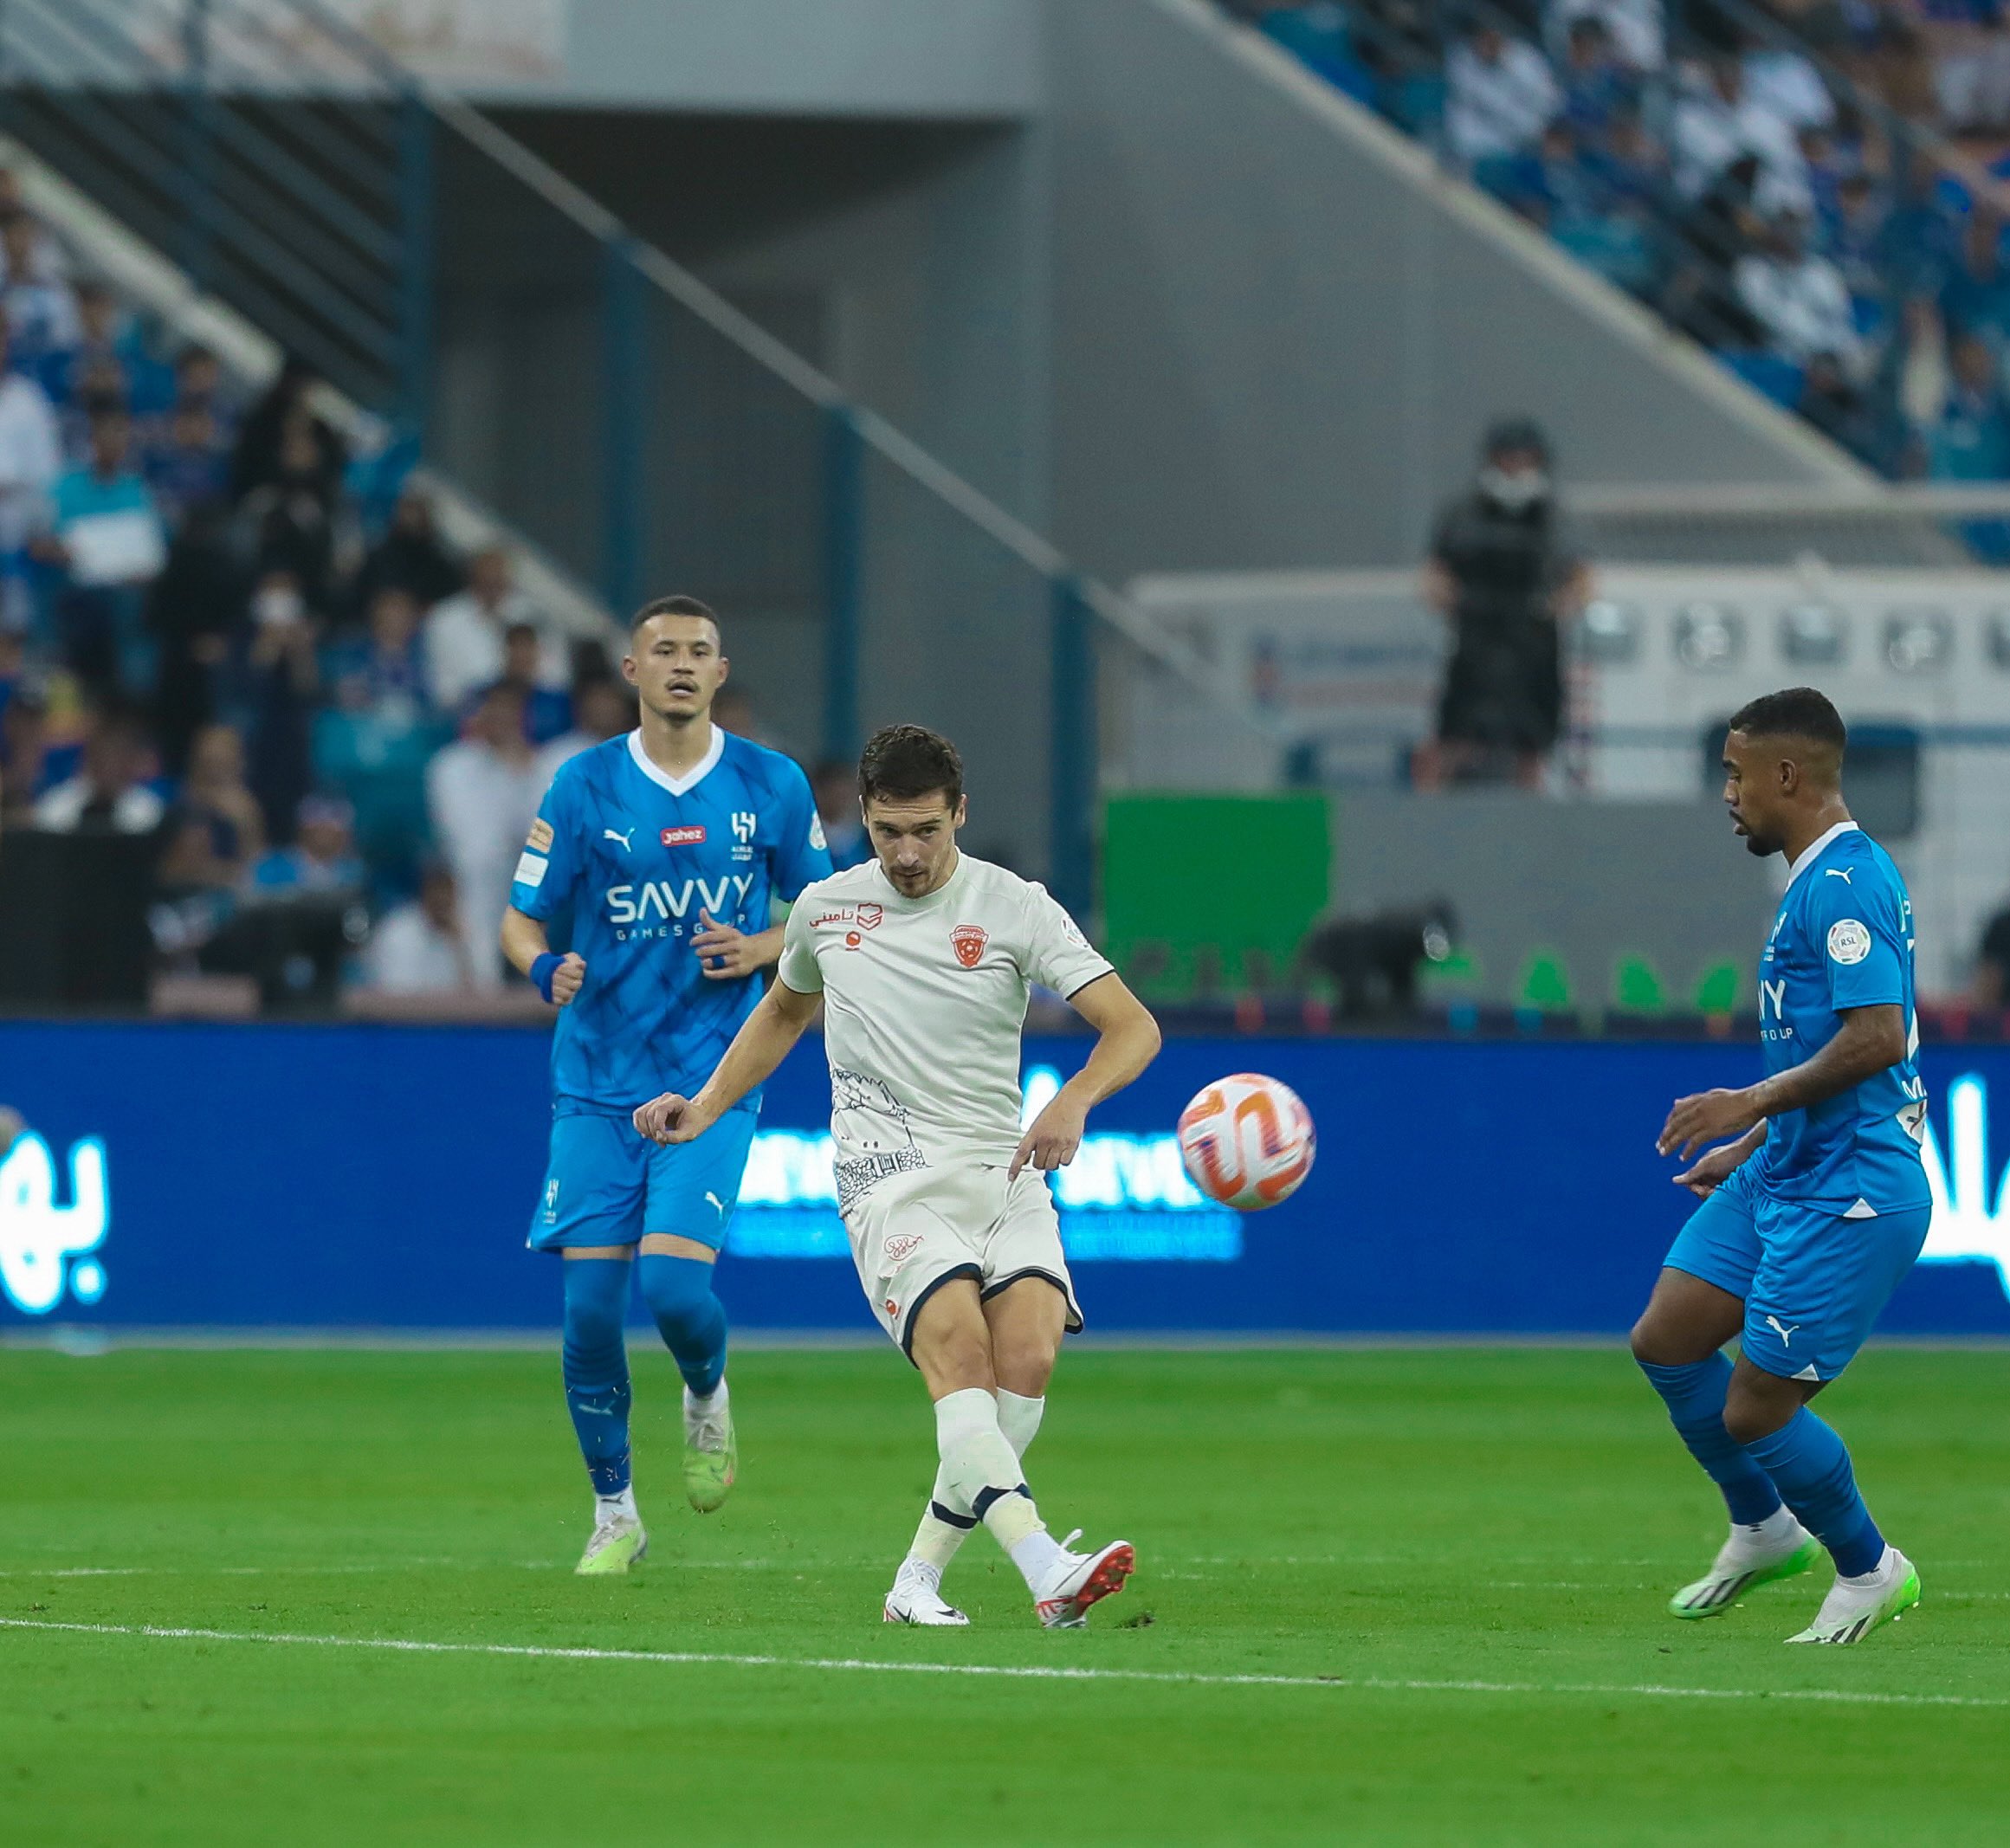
(637, 855)
(1843, 940)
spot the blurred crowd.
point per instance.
(219, 630)
(1754, 173)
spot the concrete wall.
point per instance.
(1277, 334)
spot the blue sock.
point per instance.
(596, 1367)
(693, 1320)
(1695, 1395)
(1808, 1462)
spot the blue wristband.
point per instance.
(543, 970)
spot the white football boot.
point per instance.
(1079, 1579)
(917, 1598)
(1854, 1607)
(1750, 1558)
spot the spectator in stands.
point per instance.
(419, 947)
(483, 793)
(1597, 86)
(199, 382)
(322, 859)
(1919, 235)
(1971, 441)
(412, 556)
(1971, 64)
(835, 785)
(1798, 299)
(188, 464)
(110, 793)
(1499, 95)
(1717, 233)
(47, 260)
(1975, 302)
(1853, 238)
(547, 711)
(216, 828)
(464, 635)
(383, 673)
(1633, 29)
(294, 513)
(278, 421)
(41, 310)
(106, 534)
(1992, 986)
(1717, 124)
(1781, 79)
(1507, 577)
(30, 460)
(23, 753)
(275, 675)
(195, 611)
(1836, 406)
(603, 708)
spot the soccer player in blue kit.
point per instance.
(1812, 1216)
(668, 847)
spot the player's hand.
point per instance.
(671, 1118)
(1710, 1172)
(726, 955)
(567, 979)
(1709, 1116)
(1054, 1136)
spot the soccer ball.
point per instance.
(1247, 1140)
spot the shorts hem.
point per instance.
(905, 1334)
(1074, 1324)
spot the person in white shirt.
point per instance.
(109, 793)
(1717, 121)
(482, 793)
(1500, 96)
(1637, 30)
(463, 641)
(30, 459)
(1799, 299)
(601, 709)
(418, 948)
(923, 958)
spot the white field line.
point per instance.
(846, 1665)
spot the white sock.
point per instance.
(619, 1507)
(712, 1401)
(1774, 1530)
(1035, 1556)
(1877, 1574)
(936, 1541)
(979, 1465)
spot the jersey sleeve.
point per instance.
(1858, 935)
(1058, 955)
(550, 862)
(798, 967)
(801, 854)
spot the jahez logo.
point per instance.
(693, 835)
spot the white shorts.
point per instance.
(912, 1233)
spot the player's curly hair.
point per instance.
(905, 762)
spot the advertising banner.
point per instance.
(205, 1177)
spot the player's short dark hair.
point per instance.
(673, 606)
(1798, 712)
(905, 762)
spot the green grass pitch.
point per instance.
(1441, 1572)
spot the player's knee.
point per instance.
(1753, 1411)
(678, 1290)
(594, 1307)
(1651, 1345)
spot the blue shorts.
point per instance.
(608, 1186)
(1812, 1282)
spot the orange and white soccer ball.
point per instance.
(1247, 1140)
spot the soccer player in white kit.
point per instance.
(923, 958)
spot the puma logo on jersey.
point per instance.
(609, 834)
(1837, 872)
(1784, 1334)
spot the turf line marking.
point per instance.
(852, 1664)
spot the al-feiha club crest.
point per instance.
(969, 941)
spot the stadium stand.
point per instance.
(1775, 182)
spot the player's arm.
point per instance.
(760, 1045)
(529, 950)
(1704, 1176)
(1869, 1040)
(1127, 1041)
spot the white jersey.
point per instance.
(924, 1002)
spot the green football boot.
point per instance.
(615, 1547)
(1739, 1569)
(1851, 1613)
(711, 1451)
